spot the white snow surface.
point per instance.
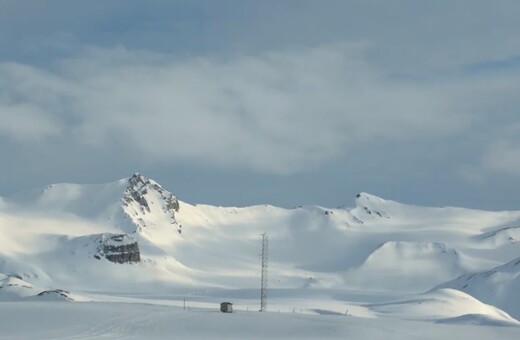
(379, 270)
(499, 286)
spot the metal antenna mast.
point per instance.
(265, 260)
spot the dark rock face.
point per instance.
(119, 248)
(123, 254)
(138, 187)
(140, 195)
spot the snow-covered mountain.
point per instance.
(498, 286)
(134, 204)
(133, 235)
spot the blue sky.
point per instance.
(252, 102)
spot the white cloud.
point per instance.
(278, 112)
(26, 123)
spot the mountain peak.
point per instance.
(144, 198)
(365, 197)
(138, 180)
(369, 205)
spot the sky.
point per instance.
(283, 102)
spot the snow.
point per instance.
(498, 286)
(14, 288)
(502, 237)
(380, 268)
(55, 320)
(402, 264)
(441, 304)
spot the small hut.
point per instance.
(226, 307)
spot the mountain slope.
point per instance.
(498, 286)
(445, 306)
(134, 235)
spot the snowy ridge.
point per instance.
(503, 236)
(135, 237)
(370, 207)
(401, 264)
(498, 286)
(443, 305)
(14, 288)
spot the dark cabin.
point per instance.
(226, 307)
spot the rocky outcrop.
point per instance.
(118, 248)
(14, 281)
(57, 292)
(369, 207)
(138, 187)
(144, 198)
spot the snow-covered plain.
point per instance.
(123, 259)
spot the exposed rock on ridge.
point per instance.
(118, 248)
(138, 201)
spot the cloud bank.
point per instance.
(277, 112)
